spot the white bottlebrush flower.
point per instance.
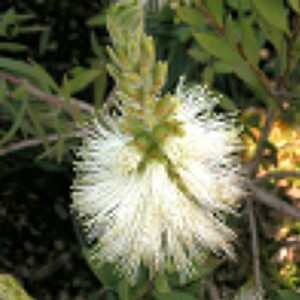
(149, 216)
(206, 156)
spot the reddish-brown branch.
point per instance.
(34, 142)
(71, 108)
(265, 81)
(210, 18)
(267, 198)
(280, 175)
(253, 168)
(255, 247)
(26, 144)
(213, 291)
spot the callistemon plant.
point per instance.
(153, 185)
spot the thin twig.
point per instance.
(267, 198)
(26, 144)
(291, 40)
(213, 291)
(280, 175)
(255, 248)
(210, 18)
(254, 163)
(253, 168)
(18, 146)
(72, 108)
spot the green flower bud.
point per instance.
(166, 106)
(134, 125)
(160, 76)
(148, 52)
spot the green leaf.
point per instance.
(100, 86)
(96, 21)
(39, 72)
(198, 54)
(9, 17)
(275, 36)
(227, 104)
(10, 288)
(44, 43)
(175, 296)
(233, 30)
(21, 68)
(162, 284)
(96, 47)
(12, 47)
(222, 68)
(208, 75)
(24, 17)
(105, 273)
(250, 40)
(295, 4)
(274, 12)
(140, 289)
(38, 127)
(16, 125)
(218, 47)
(240, 5)
(190, 16)
(29, 29)
(3, 91)
(66, 90)
(93, 296)
(82, 80)
(183, 33)
(123, 290)
(244, 72)
(216, 8)
(288, 295)
(15, 66)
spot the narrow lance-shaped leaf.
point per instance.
(12, 47)
(100, 85)
(96, 47)
(21, 68)
(96, 21)
(295, 4)
(38, 126)
(3, 91)
(274, 13)
(40, 72)
(190, 16)
(16, 125)
(288, 295)
(82, 80)
(216, 8)
(10, 288)
(250, 40)
(124, 290)
(218, 47)
(175, 296)
(44, 43)
(232, 30)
